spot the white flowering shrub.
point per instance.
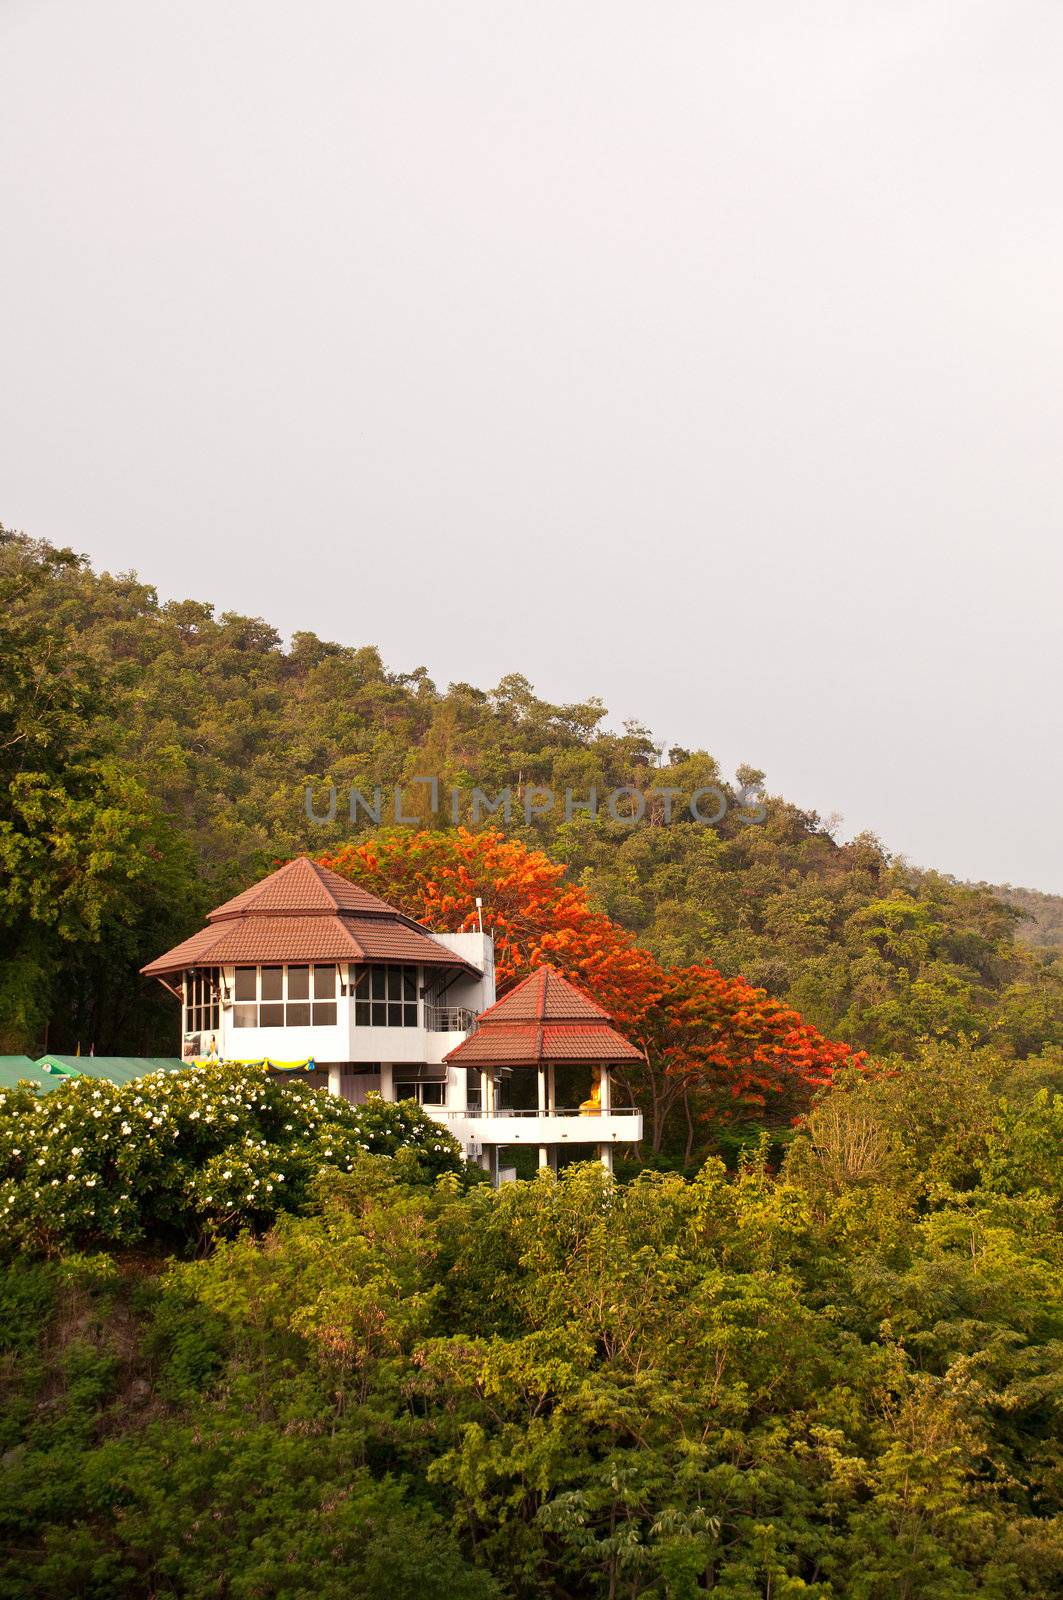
(177, 1156)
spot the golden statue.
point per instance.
(592, 1106)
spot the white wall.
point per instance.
(479, 950)
(346, 1042)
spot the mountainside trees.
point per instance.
(840, 1380)
(712, 1046)
(170, 754)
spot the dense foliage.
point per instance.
(839, 1380)
(155, 758)
(182, 1157)
(255, 1342)
(713, 1048)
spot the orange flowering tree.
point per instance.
(535, 915)
(734, 1048)
(714, 1046)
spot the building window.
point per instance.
(201, 1004)
(384, 997)
(285, 997)
(424, 1092)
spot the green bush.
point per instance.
(176, 1158)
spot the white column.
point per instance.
(605, 1093)
(387, 1081)
(605, 1153)
(544, 1153)
(485, 1078)
(551, 1088)
(335, 1080)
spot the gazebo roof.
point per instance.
(544, 1019)
(305, 912)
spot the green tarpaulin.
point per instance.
(13, 1069)
(116, 1069)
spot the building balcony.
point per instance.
(619, 1125)
(449, 1019)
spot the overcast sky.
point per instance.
(700, 354)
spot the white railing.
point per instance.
(449, 1019)
(576, 1115)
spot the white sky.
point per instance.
(706, 356)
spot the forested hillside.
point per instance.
(257, 1342)
(156, 758)
(840, 1381)
(1042, 914)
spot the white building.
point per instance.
(308, 967)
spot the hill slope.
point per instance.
(156, 758)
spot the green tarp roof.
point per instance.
(13, 1069)
(52, 1070)
(117, 1069)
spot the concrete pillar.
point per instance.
(551, 1088)
(544, 1155)
(605, 1099)
(484, 1078)
(605, 1154)
(542, 1087)
(335, 1080)
(387, 1081)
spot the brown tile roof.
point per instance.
(526, 1044)
(304, 912)
(547, 997)
(545, 1018)
(302, 885)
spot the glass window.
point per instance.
(426, 1094)
(247, 983)
(385, 996)
(202, 1000)
(261, 994)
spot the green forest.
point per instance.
(156, 760)
(272, 1345)
(256, 1342)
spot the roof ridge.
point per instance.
(550, 989)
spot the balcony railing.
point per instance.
(574, 1113)
(449, 1019)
